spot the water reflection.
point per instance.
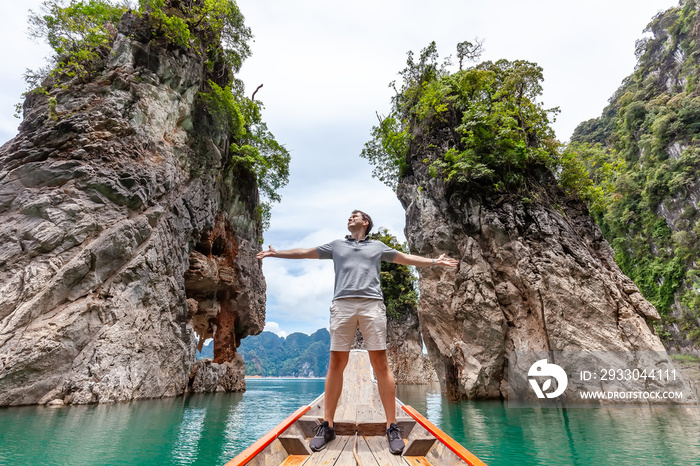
(199, 429)
(212, 429)
(617, 436)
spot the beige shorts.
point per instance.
(347, 314)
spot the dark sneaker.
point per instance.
(324, 434)
(396, 443)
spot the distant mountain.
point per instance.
(207, 351)
(298, 355)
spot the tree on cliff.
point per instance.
(497, 136)
(81, 33)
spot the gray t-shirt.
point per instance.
(357, 265)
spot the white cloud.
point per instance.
(274, 327)
(17, 54)
(299, 289)
(331, 62)
(326, 206)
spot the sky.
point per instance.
(325, 67)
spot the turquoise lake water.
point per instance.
(212, 429)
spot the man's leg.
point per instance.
(387, 393)
(385, 383)
(334, 387)
(334, 383)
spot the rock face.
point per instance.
(212, 377)
(532, 277)
(122, 234)
(405, 351)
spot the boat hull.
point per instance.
(360, 432)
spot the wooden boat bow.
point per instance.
(360, 432)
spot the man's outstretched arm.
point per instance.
(418, 261)
(299, 253)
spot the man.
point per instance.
(358, 301)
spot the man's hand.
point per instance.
(271, 252)
(446, 261)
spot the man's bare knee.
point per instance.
(379, 361)
(338, 360)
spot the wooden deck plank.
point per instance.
(419, 446)
(406, 425)
(295, 460)
(365, 413)
(345, 428)
(442, 455)
(317, 406)
(358, 375)
(307, 424)
(329, 455)
(380, 450)
(378, 415)
(399, 412)
(417, 461)
(365, 454)
(347, 413)
(274, 453)
(376, 401)
(346, 457)
(339, 413)
(372, 428)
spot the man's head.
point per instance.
(359, 218)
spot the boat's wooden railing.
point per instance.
(263, 442)
(445, 439)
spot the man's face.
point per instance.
(356, 220)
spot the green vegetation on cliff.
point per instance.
(649, 193)
(494, 133)
(81, 34)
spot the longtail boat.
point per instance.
(360, 432)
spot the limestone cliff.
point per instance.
(652, 124)
(473, 159)
(476, 160)
(532, 277)
(126, 234)
(405, 351)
